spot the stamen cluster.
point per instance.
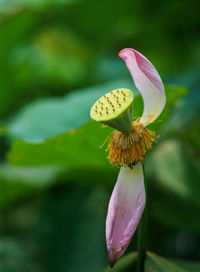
(128, 149)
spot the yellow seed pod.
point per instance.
(114, 109)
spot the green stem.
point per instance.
(142, 229)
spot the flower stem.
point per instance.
(142, 229)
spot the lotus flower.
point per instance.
(128, 198)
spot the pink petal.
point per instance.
(147, 81)
(124, 211)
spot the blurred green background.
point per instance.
(56, 58)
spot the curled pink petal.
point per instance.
(147, 81)
(124, 211)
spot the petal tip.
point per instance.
(124, 53)
(113, 256)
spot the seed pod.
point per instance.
(116, 111)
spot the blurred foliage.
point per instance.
(56, 58)
(156, 263)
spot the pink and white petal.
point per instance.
(147, 81)
(124, 211)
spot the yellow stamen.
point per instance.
(128, 149)
(105, 142)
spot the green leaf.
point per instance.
(187, 108)
(72, 156)
(155, 263)
(76, 148)
(191, 266)
(125, 264)
(48, 117)
(173, 94)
